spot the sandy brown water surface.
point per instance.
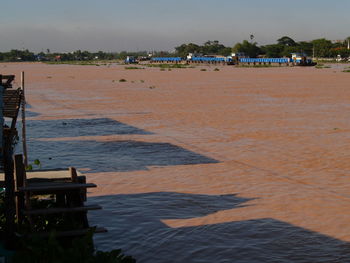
(236, 165)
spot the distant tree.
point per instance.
(286, 41)
(184, 49)
(305, 47)
(322, 47)
(273, 51)
(225, 51)
(342, 51)
(250, 49)
(213, 48)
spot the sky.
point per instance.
(135, 25)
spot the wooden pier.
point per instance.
(65, 189)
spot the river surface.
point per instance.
(235, 165)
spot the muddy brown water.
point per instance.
(236, 165)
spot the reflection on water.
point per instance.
(134, 224)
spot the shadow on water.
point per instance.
(135, 225)
(112, 155)
(30, 114)
(79, 127)
(96, 156)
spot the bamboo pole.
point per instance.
(24, 138)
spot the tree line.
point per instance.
(283, 47)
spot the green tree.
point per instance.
(214, 48)
(305, 47)
(273, 51)
(322, 47)
(250, 49)
(184, 49)
(286, 41)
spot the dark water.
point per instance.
(79, 127)
(121, 156)
(135, 225)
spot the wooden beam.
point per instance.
(47, 187)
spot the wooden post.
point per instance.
(10, 206)
(20, 182)
(9, 201)
(73, 174)
(24, 137)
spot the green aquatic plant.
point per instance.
(133, 68)
(36, 162)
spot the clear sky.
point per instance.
(115, 25)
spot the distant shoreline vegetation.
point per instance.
(284, 46)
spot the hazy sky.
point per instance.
(114, 25)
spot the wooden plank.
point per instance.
(48, 174)
(58, 210)
(43, 187)
(12, 101)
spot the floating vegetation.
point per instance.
(80, 63)
(122, 80)
(133, 68)
(321, 66)
(169, 66)
(216, 69)
(257, 66)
